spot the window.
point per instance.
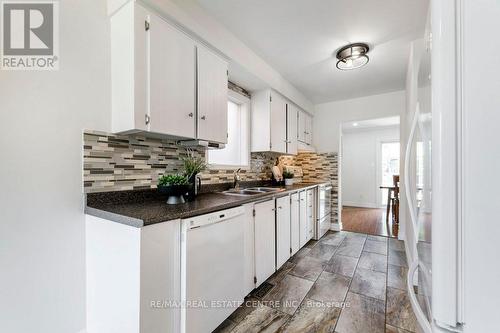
(237, 150)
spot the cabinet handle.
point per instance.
(191, 115)
(203, 117)
(279, 207)
(147, 119)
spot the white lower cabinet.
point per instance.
(149, 268)
(294, 223)
(249, 248)
(283, 247)
(310, 214)
(265, 240)
(303, 226)
(131, 275)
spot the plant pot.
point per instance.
(191, 193)
(175, 193)
(288, 181)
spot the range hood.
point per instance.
(201, 143)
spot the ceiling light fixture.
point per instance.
(355, 124)
(352, 56)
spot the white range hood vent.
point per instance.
(201, 143)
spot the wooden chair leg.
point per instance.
(396, 211)
(388, 205)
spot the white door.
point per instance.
(278, 123)
(304, 230)
(294, 223)
(282, 230)
(310, 214)
(265, 264)
(172, 80)
(212, 96)
(291, 130)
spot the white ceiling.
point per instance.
(370, 124)
(299, 39)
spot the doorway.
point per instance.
(368, 176)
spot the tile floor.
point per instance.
(346, 283)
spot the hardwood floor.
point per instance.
(370, 221)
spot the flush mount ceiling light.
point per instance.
(352, 56)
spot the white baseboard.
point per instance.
(359, 204)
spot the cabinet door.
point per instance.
(249, 249)
(278, 123)
(212, 96)
(294, 223)
(265, 255)
(172, 80)
(304, 230)
(291, 130)
(308, 125)
(310, 214)
(301, 126)
(282, 230)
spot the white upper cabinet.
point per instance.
(172, 80)
(278, 123)
(305, 127)
(164, 81)
(301, 126)
(212, 96)
(292, 114)
(129, 69)
(274, 123)
(308, 127)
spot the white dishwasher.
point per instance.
(212, 268)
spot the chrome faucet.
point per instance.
(237, 178)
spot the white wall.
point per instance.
(42, 114)
(361, 175)
(329, 116)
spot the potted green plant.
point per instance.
(288, 176)
(174, 186)
(193, 164)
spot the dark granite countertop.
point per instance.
(146, 207)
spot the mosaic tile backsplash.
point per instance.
(128, 162)
(318, 167)
(133, 162)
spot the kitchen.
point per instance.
(180, 166)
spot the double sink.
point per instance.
(252, 191)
